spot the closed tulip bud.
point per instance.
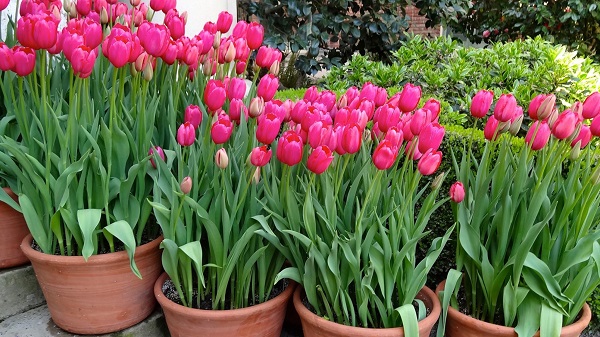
(431, 137)
(319, 159)
(351, 138)
(236, 88)
(385, 155)
(429, 162)
(267, 87)
(409, 97)
(505, 108)
(186, 185)
(437, 182)
(7, 61)
(419, 120)
(457, 192)
(387, 116)
(83, 7)
(591, 106)
(73, 11)
(104, 16)
(395, 136)
(564, 126)
(82, 61)
(148, 72)
(256, 107)
(221, 130)
(214, 95)
(268, 128)
(240, 67)
(515, 125)
(289, 148)
(217, 41)
(274, 69)
(260, 156)
(193, 115)
(221, 159)
(230, 53)
(577, 108)
(583, 138)
(575, 151)
(595, 127)
(546, 108)
(541, 130)
(254, 35)
(256, 176)
(481, 103)
(158, 151)
(135, 3)
(224, 22)
(186, 134)
(66, 5)
(491, 131)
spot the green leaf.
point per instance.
(193, 250)
(88, 220)
(122, 231)
(550, 322)
(36, 227)
(409, 320)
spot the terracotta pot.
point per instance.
(101, 295)
(461, 325)
(261, 320)
(13, 229)
(315, 326)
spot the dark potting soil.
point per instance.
(170, 292)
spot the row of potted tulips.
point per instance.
(339, 209)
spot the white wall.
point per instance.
(4, 17)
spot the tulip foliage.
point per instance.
(528, 235)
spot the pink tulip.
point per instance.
(236, 88)
(541, 106)
(319, 159)
(170, 55)
(429, 162)
(186, 185)
(83, 7)
(505, 108)
(387, 116)
(311, 94)
(4, 4)
(321, 134)
(409, 98)
(457, 192)
(534, 105)
(214, 95)
(7, 61)
(267, 128)
(395, 136)
(419, 120)
(491, 131)
(328, 99)
(434, 106)
(154, 38)
(71, 39)
(565, 124)
(193, 115)
(584, 137)
(368, 91)
(242, 51)
(221, 130)
(591, 106)
(541, 129)
(255, 35)
(267, 87)
(236, 108)
(260, 156)
(221, 159)
(82, 61)
(186, 134)
(351, 138)
(24, 60)
(239, 30)
(240, 68)
(380, 97)
(176, 23)
(385, 155)
(118, 46)
(224, 22)
(431, 137)
(289, 148)
(156, 150)
(594, 127)
(481, 103)
(38, 31)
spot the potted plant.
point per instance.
(220, 275)
(350, 217)
(80, 164)
(528, 239)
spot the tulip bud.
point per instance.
(186, 134)
(457, 192)
(505, 108)
(577, 108)
(73, 12)
(67, 6)
(148, 72)
(591, 106)
(596, 176)
(429, 162)
(274, 70)
(230, 54)
(104, 16)
(150, 14)
(193, 115)
(221, 159)
(575, 151)
(186, 185)
(409, 97)
(541, 130)
(515, 126)
(546, 108)
(319, 159)
(481, 103)
(217, 41)
(385, 155)
(256, 107)
(159, 152)
(437, 182)
(135, 3)
(256, 176)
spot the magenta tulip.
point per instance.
(158, 151)
(457, 192)
(385, 155)
(481, 103)
(409, 98)
(541, 130)
(154, 38)
(351, 138)
(594, 127)
(118, 46)
(491, 131)
(584, 137)
(395, 136)
(419, 120)
(289, 148)
(24, 60)
(368, 91)
(83, 7)
(260, 156)
(429, 162)
(193, 115)
(591, 106)
(565, 124)
(434, 106)
(224, 21)
(221, 130)
(236, 109)
(239, 30)
(186, 134)
(176, 23)
(387, 116)
(255, 35)
(431, 137)
(380, 97)
(82, 60)
(4, 4)
(321, 134)
(505, 108)
(214, 95)
(267, 87)
(319, 159)
(267, 128)
(236, 88)
(7, 61)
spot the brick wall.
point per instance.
(417, 23)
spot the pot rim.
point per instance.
(35, 255)
(583, 321)
(230, 314)
(303, 311)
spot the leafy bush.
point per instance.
(453, 73)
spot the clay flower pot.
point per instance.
(261, 320)
(315, 326)
(101, 295)
(461, 325)
(13, 229)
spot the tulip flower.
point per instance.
(409, 97)
(321, 134)
(516, 121)
(186, 185)
(236, 88)
(395, 136)
(175, 23)
(481, 103)
(385, 155)
(83, 7)
(267, 128)
(193, 115)
(565, 124)
(594, 127)
(327, 98)
(254, 35)
(541, 106)
(214, 95)
(4, 4)
(541, 130)
(221, 130)
(457, 192)
(491, 131)
(186, 134)
(419, 120)
(221, 159)
(82, 60)
(351, 138)
(591, 106)
(387, 116)
(260, 156)
(224, 21)
(170, 54)
(311, 94)
(38, 31)
(266, 56)
(289, 148)
(534, 105)
(118, 46)
(239, 30)
(156, 150)
(154, 38)
(257, 106)
(24, 60)
(368, 91)
(381, 97)
(319, 159)
(583, 138)
(7, 61)
(242, 51)
(267, 87)
(240, 68)
(431, 137)
(505, 108)
(236, 108)
(429, 162)
(434, 106)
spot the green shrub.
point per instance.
(453, 74)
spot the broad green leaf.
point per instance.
(122, 231)
(409, 320)
(88, 220)
(35, 224)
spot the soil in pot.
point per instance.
(315, 326)
(101, 295)
(459, 324)
(13, 229)
(260, 320)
